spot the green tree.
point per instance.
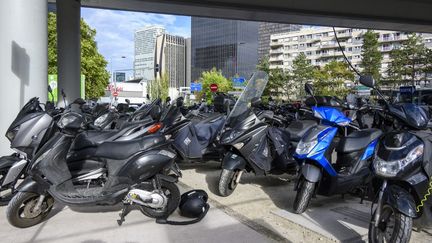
(330, 79)
(277, 79)
(371, 56)
(93, 64)
(159, 88)
(302, 72)
(410, 62)
(210, 77)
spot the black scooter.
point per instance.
(252, 141)
(403, 171)
(140, 171)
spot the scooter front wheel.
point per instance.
(228, 182)
(304, 195)
(392, 227)
(21, 211)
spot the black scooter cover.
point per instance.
(193, 139)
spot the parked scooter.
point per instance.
(140, 171)
(32, 128)
(354, 154)
(253, 144)
(403, 172)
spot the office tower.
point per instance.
(268, 29)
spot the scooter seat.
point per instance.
(358, 140)
(298, 128)
(119, 150)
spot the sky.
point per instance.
(115, 32)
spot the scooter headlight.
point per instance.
(392, 168)
(305, 147)
(12, 133)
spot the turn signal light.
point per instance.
(155, 128)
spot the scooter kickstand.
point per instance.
(125, 211)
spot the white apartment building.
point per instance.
(320, 46)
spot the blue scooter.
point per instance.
(318, 174)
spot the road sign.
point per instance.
(213, 87)
(238, 81)
(115, 93)
(407, 89)
(196, 87)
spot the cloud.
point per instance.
(115, 31)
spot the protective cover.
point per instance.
(192, 140)
(261, 156)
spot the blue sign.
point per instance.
(407, 89)
(239, 81)
(196, 87)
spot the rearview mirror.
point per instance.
(367, 80)
(255, 102)
(309, 89)
(49, 89)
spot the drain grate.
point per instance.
(352, 213)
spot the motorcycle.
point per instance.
(140, 171)
(314, 151)
(402, 171)
(252, 143)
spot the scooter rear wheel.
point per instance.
(303, 196)
(20, 209)
(172, 193)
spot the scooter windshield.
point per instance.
(254, 89)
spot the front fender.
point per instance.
(7, 161)
(311, 172)
(233, 161)
(30, 185)
(401, 200)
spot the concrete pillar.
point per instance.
(68, 49)
(23, 59)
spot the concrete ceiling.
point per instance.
(408, 15)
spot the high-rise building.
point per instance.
(266, 30)
(320, 46)
(227, 45)
(145, 44)
(171, 58)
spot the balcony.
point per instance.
(276, 51)
(344, 35)
(275, 44)
(276, 58)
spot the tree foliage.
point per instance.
(330, 79)
(410, 62)
(302, 72)
(93, 64)
(159, 88)
(371, 55)
(210, 77)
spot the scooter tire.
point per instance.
(303, 196)
(227, 185)
(172, 204)
(401, 230)
(16, 207)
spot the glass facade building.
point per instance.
(145, 44)
(268, 29)
(227, 45)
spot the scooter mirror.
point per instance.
(49, 89)
(367, 80)
(309, 89)
(255, 102)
